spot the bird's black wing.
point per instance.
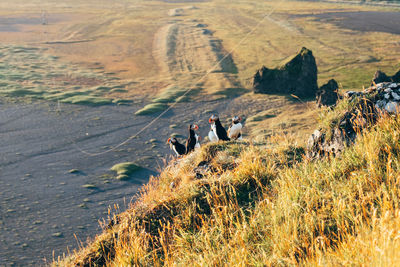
(190, 144)
(181, 149)
(221, 132)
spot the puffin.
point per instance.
(217, 128)
(234, 131)
(193, 140)
(177, 147)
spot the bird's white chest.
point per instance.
(212, 135)
(174, 149)
(214, 129)
(235, 130)
(197, 141)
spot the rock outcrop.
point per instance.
(327, 94)
(364, 110)
(381, 77)
(297, 77)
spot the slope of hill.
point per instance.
(264, 203)
(101, 52)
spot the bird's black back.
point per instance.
(191, 141)
(181, 149)
(221, 132)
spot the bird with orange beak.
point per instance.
(217, 129)
(235, 130)
(177, 147)
(192, 141)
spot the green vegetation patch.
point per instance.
(122, 101)
(31, 73)
(87, 100)
(151, 109)
(21, 93)
(125, 170)
(169, 95)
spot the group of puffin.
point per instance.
(216, 133)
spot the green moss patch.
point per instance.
(87, 100)
(151, 109)
(125, 170)
(29, 72)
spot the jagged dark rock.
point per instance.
(381, 77)
(327, 94)
(366, 107)
(298, 77)
(396, 77)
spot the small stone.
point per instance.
(89, 186)
(59, 234)
(395, 96)
(387, 96)
(327, 95)
(392, 107)
(380, 104)
(388, 90)
(393, 85)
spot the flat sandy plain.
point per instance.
(136, 53)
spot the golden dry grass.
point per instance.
(263, 204)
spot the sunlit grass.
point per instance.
(262, 203)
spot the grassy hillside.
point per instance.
(263, 203)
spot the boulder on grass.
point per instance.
(396, 77)
(381, 77)
(297, 77)
(327, 94)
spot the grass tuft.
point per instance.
(125, 170)
(87, 100)
(151, 109)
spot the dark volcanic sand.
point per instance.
(40, 200)
(39, 197)
(366, 21)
